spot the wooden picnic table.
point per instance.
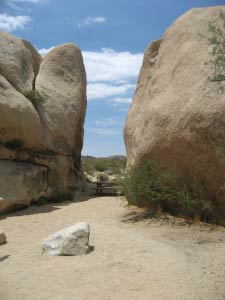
(104, 186)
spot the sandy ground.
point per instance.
(131, 260)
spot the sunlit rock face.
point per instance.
(43, 105)
(177, 115)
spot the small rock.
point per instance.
(2, 238)
(70, 241)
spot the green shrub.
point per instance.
(100, 165)
(217, 39)
(113, 165)
(144, 185)
(35, 98)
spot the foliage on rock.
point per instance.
(217, 39)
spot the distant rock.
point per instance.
(177, 116)
(2, 238)
(43, 105)
(70, 241)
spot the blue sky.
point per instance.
(112, 35)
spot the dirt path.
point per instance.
(130, 260)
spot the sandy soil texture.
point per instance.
(131, 260)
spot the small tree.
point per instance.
(217, 39)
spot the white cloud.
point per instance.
(104, 131)
(110, 73)
(110, 65)
(104, 90)
(44, 51)
(121, 104)
(123, 109)
(92, 20)
(121, 100)
(14, 3)
(10, 23)
(107, 122)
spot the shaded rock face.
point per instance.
(177, 116)
(20, 183)
(42, 104)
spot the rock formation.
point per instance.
(70, 241)
(42, 104)
(177, 117)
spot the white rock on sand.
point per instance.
(70, 241)
(2, 237)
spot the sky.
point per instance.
(112, 35)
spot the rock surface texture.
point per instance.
(177, 116)
(70, 241)
(43, 105)
(2, 238)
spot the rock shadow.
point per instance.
(91, 249)
(134, 216)
(4, 258)
(43, 209)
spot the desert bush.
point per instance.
(113, 165)
(100, 165)
(217, 39)
(161, 190)
(102, 177)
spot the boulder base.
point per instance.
(70, 241)
(20, 183)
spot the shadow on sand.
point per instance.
(91, 249)
(137, 216)
(46, 208)
(4, 258)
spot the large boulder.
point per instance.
(41, 122)
(61, 82)
(70, 241)
(177, 116)
(19, 62)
